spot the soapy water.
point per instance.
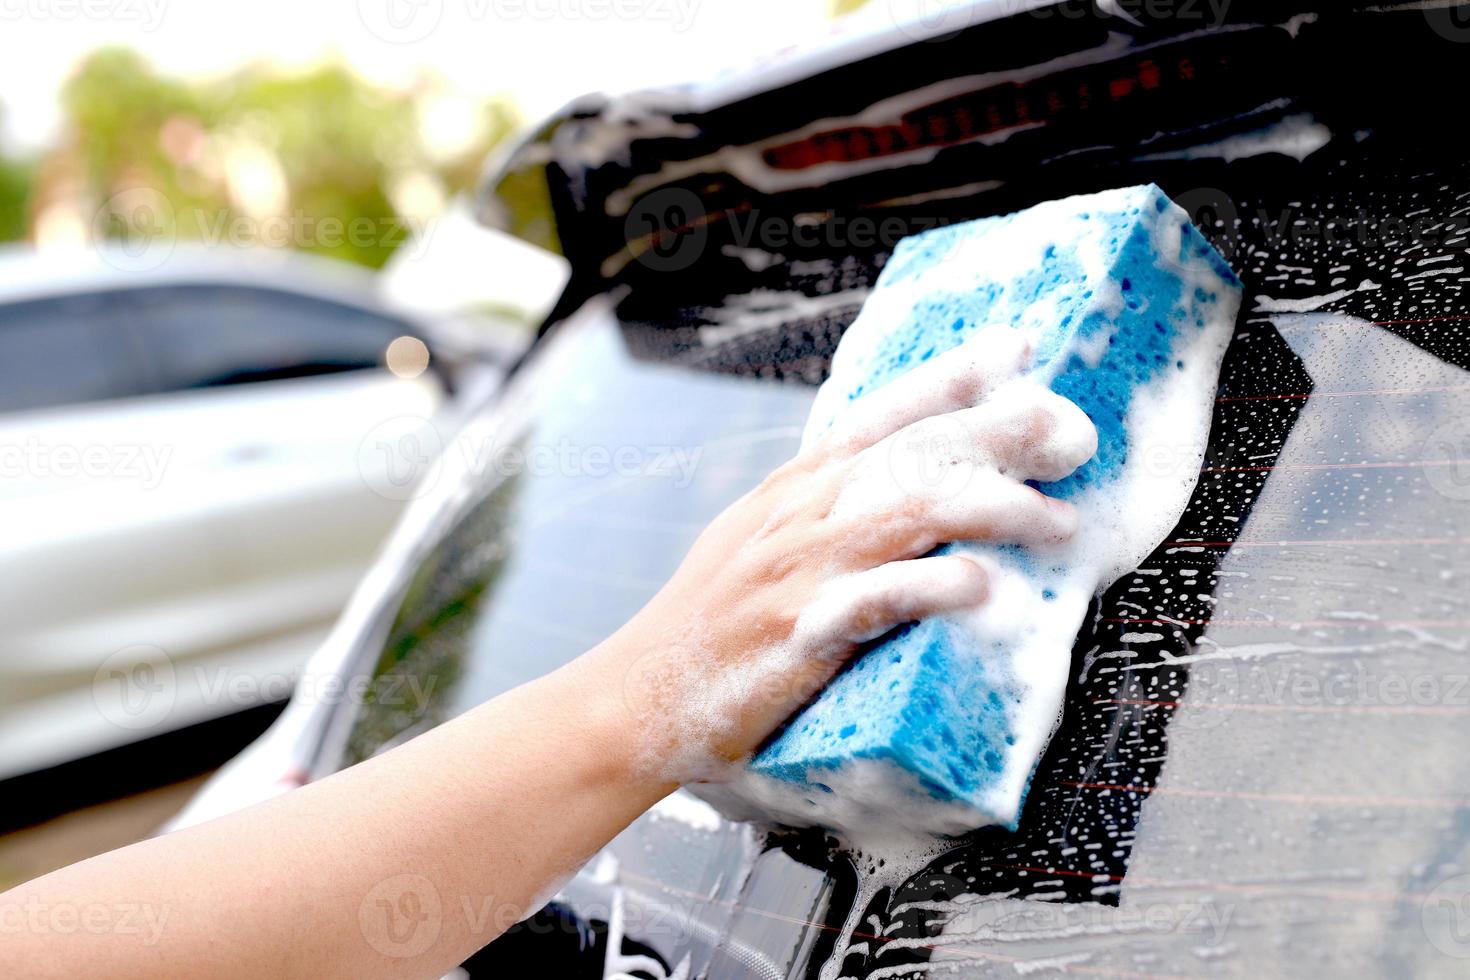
(1137, 677)
(891, 823)
(1123, 727)
(925, 327)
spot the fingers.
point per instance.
(992, 508)
(1030, 432)
(998, 510)
(958, 477)
(865, 605)
(955, 380)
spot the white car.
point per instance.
(197, 463)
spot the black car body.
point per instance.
(1261, 765)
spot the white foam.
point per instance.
(1121, 522)
(872, 806)
(1309, 304)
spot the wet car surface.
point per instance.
(1260, 765)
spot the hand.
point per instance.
(828, 552)
(480, 817)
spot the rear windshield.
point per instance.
(1261, 761)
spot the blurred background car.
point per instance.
(193, 477)
(238, 229)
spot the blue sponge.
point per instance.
(1129, 309)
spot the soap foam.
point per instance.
(1083, 282)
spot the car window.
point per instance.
(596, 492)
(62, 351)
(1224, 769)
(94, 346)
(204, 336)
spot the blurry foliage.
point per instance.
(836, 8)
(15, 190)
(319, 160)
(521, 205)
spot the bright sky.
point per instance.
(541, 51)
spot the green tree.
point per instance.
(16, 178)
(308, 159)
(15, 192)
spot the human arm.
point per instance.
(407, 863)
